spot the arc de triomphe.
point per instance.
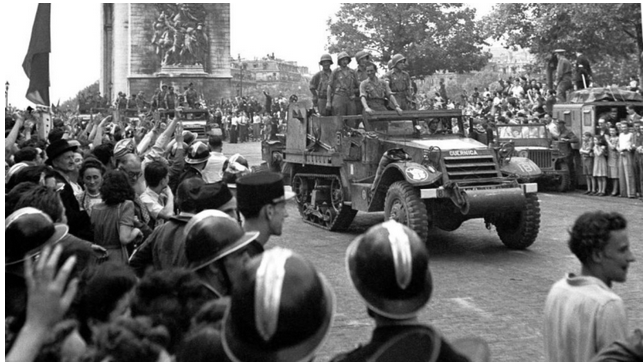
(146, 45)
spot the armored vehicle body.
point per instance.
(419, 168)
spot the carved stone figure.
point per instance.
(179, 37)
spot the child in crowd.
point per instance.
(600, 165)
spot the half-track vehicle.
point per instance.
(396, 164)
(533, 142)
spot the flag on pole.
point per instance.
(36, 63)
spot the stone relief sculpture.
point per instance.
(179, 35)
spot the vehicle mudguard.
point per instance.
(414, 173)
(522, 168)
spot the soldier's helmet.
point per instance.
(211, 235)
(324, 58)
(197, 153)
(397, 59)
(361, 54)
(389, 267)
(281, 310)
(343, 55)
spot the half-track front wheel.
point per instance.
(520, 229)
(404, 205)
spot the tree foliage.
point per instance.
(603, 31)
(431, 36)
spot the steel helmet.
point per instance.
(397, 59)
(343, 55)
(211, 235)
(361, 54)
(324, 58)
(280, 310)
(197, 153)
(389, 267)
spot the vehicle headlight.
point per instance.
(523, 153)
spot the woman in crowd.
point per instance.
(91, 175)
(612, 159)
(113, 220)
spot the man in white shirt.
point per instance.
(158, 197)
(214, 168)
(582, 314)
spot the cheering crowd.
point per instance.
(133, 241)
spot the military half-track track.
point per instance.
(320, 200)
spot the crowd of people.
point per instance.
(137, 242)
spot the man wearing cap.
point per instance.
(319, 84)
(61, 158)
(389, 267)
(342, 87)
(262, 202)
(399, 82)
(216, 250)
(563, 76)
(281, 310)
(363, 58)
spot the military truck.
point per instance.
(420, 177)
(533, 142)
(586, 106)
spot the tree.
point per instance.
(431, 36)
(603, 31)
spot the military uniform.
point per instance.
(361, 76)
(376, 92)
(343, 84)
(564, 79)
(191, 97)
(400, 84)
(319, 84)
(583, 70)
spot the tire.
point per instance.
(519, 230)
(565, 181)
(403, 204)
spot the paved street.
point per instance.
(480, 287)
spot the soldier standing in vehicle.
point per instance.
(191, 96)
(400, 81)
(374, 94)
(583, 71)
(363, 58)
(341, 88)
(319, 84)
(563, 76)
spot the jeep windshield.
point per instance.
(517, 132)
(422, 127)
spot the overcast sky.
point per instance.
(294, 31)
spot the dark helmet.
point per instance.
(324, 58)
(389, 267)
(197, 153)
(281, 310)
(361, 54)
(396, 59)
(27, 231)
(343, 55)
(211, 235)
